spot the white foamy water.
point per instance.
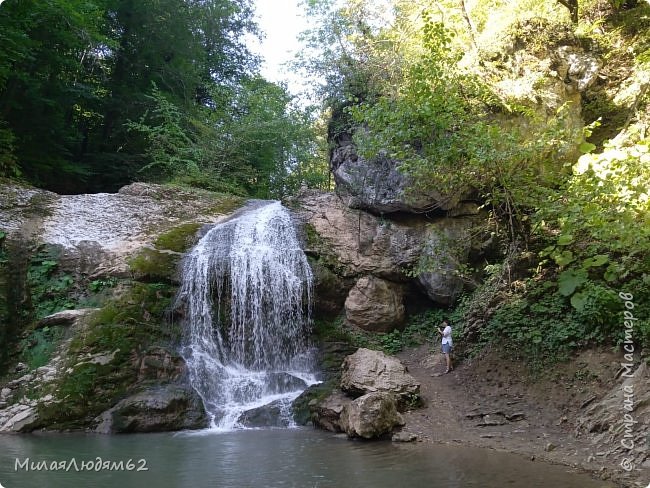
(246, 292)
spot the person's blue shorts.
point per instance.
(446, 348)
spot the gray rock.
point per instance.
(281, 382)
(326, 414)
(368, 371)
(358, 244)
(161, 364)
(578, 66)
(404, 437)
(272, 415)
(375, 304)
(623, 413)
(5, 392)
(164, 408)
(372, 415)
(23, 421)
(447, 246)
(378, 185)
(65, 317)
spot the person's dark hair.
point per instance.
(445, 320)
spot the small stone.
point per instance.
(20, 367)
(25, 378)
(549, 447)
(5, 392)
(404, 437)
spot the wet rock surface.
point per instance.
(371, 416)
(159, 409)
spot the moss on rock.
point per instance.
(178, 239)
(104, 359)
(152, 265)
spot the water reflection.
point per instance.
(272, 458)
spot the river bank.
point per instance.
(497, 404)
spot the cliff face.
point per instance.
(363, 262)
(113, 258)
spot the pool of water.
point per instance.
(263, 458)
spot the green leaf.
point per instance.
(546, 251)
(571, 279)
(565, 240)
(579, 300)
(586, 147)
(564, 258)
(594, 261)
(612, 273)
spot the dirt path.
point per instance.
(492, 403)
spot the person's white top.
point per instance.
(446, 336)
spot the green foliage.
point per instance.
(602, 215)
(209, 121)
(38, 346)
(79, 386)
(391, 342)
(50, 288)
(421, 329)
(97, 286)
(335, 330)
(541, 326)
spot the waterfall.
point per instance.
(246, 294)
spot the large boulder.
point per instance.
(375, 305)
(347, 245)
(158, 409)
(378, 185)
(368, 371)
(353, 242)
(327, 413)
(447, 246)
(274, 414)
(372, 415)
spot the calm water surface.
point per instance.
(270, 458)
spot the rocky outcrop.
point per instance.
(120, 251)
(371, 416)
(447, 246)
(355, 243)
(100, 232)
(375, 305)
(347, 245)
(165, 408)
(377, 185)
(274, 414)
(368, 371)
(619, 423)
(374, 387)
(327, 413)
(20, 413)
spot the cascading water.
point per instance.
(246, 290)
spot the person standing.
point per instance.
(447, 343)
